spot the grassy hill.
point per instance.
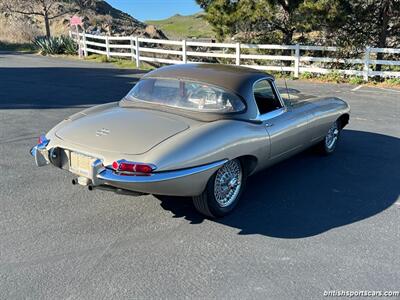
(179, 27)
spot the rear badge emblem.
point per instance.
(102, 132)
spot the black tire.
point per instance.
(207, 204)
(326, 148)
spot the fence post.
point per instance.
(137, 52)
(297, 61)
(184, 56)
(79, 43)
(132, 40)
(366, 63)
(85, 52)
(238, 54)
(108, 47)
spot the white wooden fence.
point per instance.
(178, 52)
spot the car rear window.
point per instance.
(184, 94)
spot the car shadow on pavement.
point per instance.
(63, 87)
(310, 194)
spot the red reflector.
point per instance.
(115, 165)
(124, 166)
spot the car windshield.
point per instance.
(185, 95)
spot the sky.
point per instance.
(155, 9)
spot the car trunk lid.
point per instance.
(123, 130)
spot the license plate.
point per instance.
(80, 164)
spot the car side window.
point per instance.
(266, 97)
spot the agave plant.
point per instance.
(48, 46)
(69, 45)
(56, 45)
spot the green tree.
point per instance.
(373, 23)
(361, 23)
(263, 18)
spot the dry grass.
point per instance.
(355, 80)
(17, 30)
(117, 62)
(21, 29)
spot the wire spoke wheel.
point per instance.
(228, 181)
(332, 136)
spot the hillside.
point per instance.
(98, 16)
(178, 27)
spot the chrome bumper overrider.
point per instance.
(40, 153)
(185, 182)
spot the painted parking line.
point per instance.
(369, 89)
(357, 88)
(389, 90)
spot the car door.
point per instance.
(286, 125)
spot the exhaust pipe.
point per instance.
(74, 181)
(92, 187)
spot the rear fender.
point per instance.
(214, 141)
(325, 112)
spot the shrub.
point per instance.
(393, 81)
(306, 75)
(334, 76)
(56, 45)
(356, 80)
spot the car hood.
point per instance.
(123, 130)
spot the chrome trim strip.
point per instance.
(108, 175)
(272, 114)
(278, 94)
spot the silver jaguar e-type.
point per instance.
(194, 130)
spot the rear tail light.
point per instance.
(132, 168)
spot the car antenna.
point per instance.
(284, 78)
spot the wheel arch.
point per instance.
(249, 163)
(344, 120)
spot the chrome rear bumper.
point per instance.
(185, 182)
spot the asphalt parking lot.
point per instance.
(305, 226)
